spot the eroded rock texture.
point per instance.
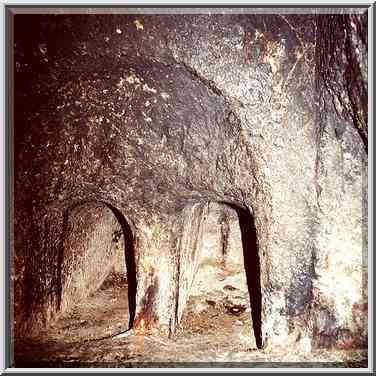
(152, 121)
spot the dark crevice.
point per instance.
(252, 268)
(129, 252)
(207, 83)
(60, 260)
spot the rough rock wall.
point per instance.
(190, 246)
(271, 119)
(89, 252)
(154, 114)
(341, 238)
(120, 266)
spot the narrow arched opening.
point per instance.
(97, 274)
(252, 268)
(225, 293)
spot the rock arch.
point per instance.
(82, 244)
(225, 253)
(97, 239)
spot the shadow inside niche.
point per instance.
(60, 259)
(129, 253)
(252, 268)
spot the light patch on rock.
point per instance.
(133, 79)
(274, 54)
(138, 24)
(120, 83)
(305, 345)
(145, 229)
(118, 31)
(165, 95)
(340, 271)
(246, 339)
(275, 326)
(120, 114)
(148, 89)
(42, 48)
(200, 307)
(146, 118)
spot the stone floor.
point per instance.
(216, 331)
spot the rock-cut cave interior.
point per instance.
(185, 194)
(98, 278)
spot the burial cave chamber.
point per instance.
(189, 188)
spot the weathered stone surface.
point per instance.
(221, 259)
(89, 252)
(158, 115)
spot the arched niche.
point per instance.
(97, 251)
(220, 261)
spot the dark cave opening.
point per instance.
(228, 271)
(252, 267)
(129, 255)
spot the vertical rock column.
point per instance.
(167, 262)
(156, 263)
(38, 282)
(340, 289)
(189, 249)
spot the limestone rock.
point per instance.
(160, 121)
